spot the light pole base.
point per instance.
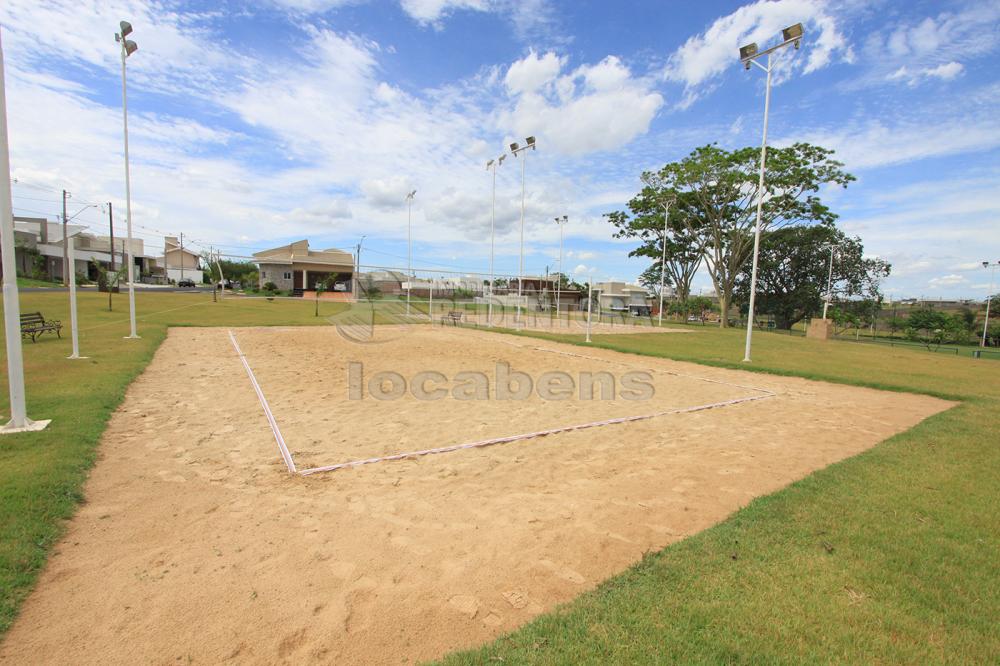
(75, 357)
(29, 426)
(131, 337)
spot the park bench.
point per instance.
(454, 316)
(34, 324)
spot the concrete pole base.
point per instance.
(820, 329)
(29, 426)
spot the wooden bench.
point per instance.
(455, 317)
(34, 324)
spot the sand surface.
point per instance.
(196, 546)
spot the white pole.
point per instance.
(19, 420)
(430, 305)
(409, 252)
(663, 260)
(989, 297)
(128, 205)
(520, 273)
(222, 278)
(493, 225)
(829, 284)
(71, 253)
(760, 204)
(590, 303)
(559, 277)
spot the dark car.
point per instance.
(186, 282)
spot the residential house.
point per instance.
(179, 262)
(622, 297)
(297, 268)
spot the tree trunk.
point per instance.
(723, 311)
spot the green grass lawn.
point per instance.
(32, 282)
(41, 473)
(888, 556)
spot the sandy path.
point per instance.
(195, 546)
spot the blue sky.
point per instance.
(253, 124)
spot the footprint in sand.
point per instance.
(167, 475)
(464, 604)
(516, 599)
(360, 605)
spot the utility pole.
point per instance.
(65, 196)
(111, 229)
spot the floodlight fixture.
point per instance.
(530, 141)
(985, 264)
(411, 194)
(128, 47)
(748, 56)
(793, 32)
(490, 163)
(501, 159)
(514, 147)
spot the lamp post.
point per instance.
(829, 278)
(989, 296)
(128, 47)
(19, 421)
(560, 221)
(748, 56)
(516, 151)
(409, 248)
(357, 268)
(492, 166)
(663, 260)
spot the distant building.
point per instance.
(622, 297)
(39, 250)
(297, 268)
(179, 263)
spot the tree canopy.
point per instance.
(793, 271)
(716, 191)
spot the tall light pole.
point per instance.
(409, 248)
(19, 421)
(516, 151)
(829, 278)
(663, 259)
(492, 166)
(128, 47)
(357, 268)
(560, 221)
(989, 297)
(748, 56)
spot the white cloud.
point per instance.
(946, 281)
(704, 57)
(594, 107)
(945, 72)
(431, 11)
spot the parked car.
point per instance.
(186, 282)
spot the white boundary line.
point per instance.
(289, 462)
(531, 435)
(267, 409)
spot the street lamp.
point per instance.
(516, 150)
(749, 56)
(357, 268)
(989, 296)
(560, 221)
(492, 166)
(832, 247)
(19, 421)
(409, 248)
(128, 47)
(663, 258)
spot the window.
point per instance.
(288, 276)
(263, 274)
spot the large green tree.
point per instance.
(794, 268)
(684, 244)
(722, 188)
